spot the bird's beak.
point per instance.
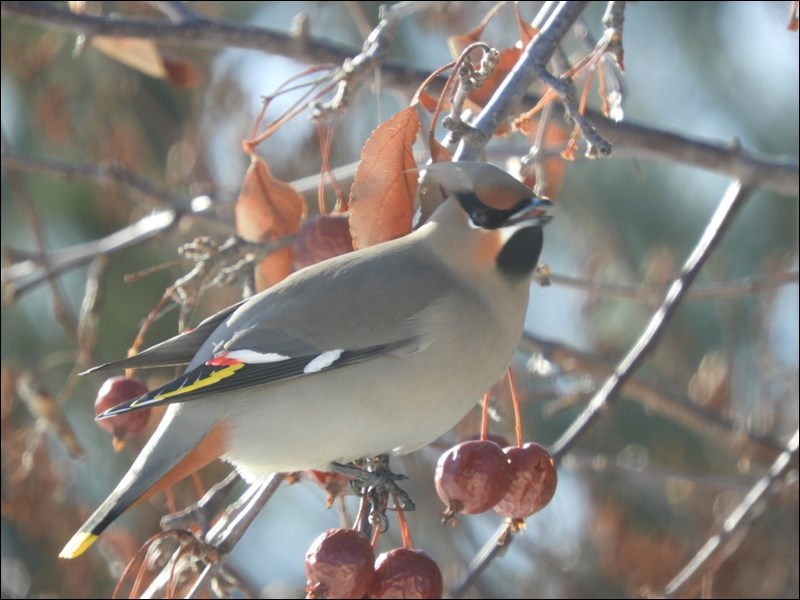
(533, 213)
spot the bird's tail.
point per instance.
(167, 458)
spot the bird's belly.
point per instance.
(391, 404)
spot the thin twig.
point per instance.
(597, 144)
(22, 276)
(735, 197)
(536, 154)
(91, 305)
(718, 546)
(61, 309)
(676, 407)
(352, 74)
(712, 291)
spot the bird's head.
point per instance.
(493, 201)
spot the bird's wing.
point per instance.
(310, 324)
(178, 350)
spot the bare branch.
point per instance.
(718, 547)
(780, 174)
(24, 275)
(678, 408)
(102, 174)
(735, 197)
(712, 291)
(198, 31)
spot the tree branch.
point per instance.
(200, 31)
(778, 174)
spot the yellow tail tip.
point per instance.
(78, 544)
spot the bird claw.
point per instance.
(377, 481)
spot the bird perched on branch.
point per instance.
(377, 351)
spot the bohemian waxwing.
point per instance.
(377, 351)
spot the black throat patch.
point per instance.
(520, 254)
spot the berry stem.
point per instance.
(199, 488)
(515, 403)
(376, 533)
(401, 521)
(485, 417)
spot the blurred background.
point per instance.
(640, 492)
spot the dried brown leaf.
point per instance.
(457, 43)
(137, 53)
(181, 72)
(382, 195)
(439, 153)
(428, 102)
(526, 31)
(268, 209)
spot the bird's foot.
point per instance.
(374, 478)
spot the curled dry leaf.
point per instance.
(439, 153)
(268, 209)
(382, 196)
(457, 43)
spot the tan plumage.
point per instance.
(381, 350)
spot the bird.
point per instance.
(378, 351)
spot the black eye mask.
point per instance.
(485, 216)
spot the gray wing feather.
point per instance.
(349, 303)
(178, 350)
